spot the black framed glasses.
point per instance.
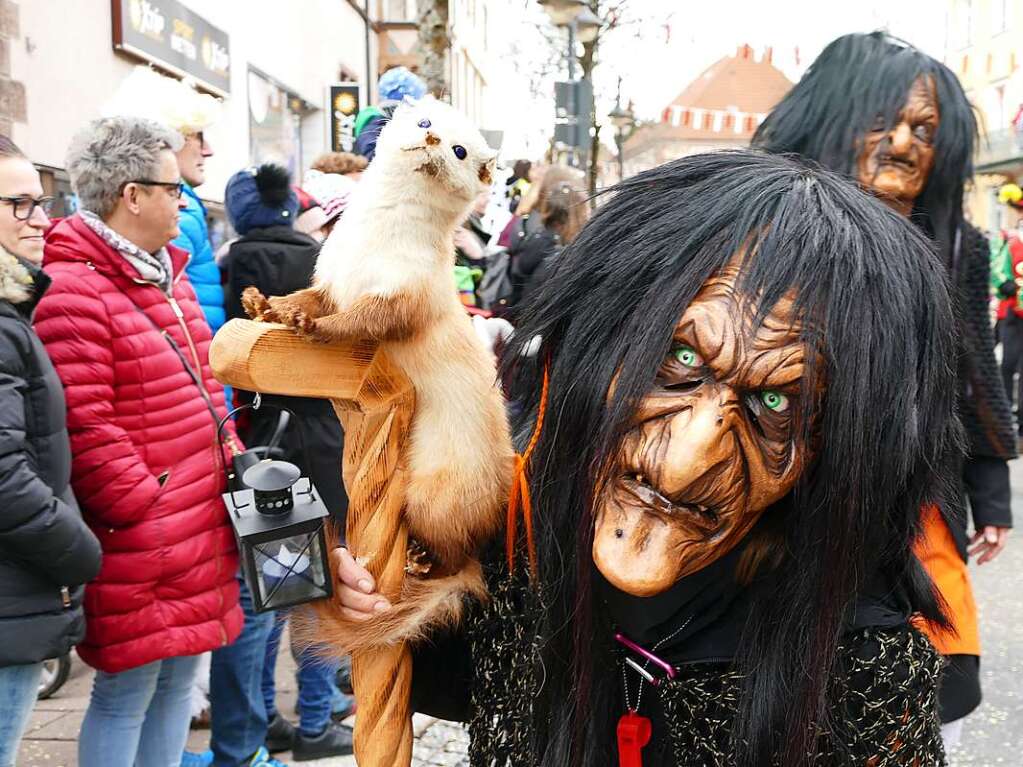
(176, 188)
(24, 207)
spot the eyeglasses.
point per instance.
(175, 188)
(24, 207)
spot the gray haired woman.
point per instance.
(130, 343)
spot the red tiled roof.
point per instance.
(740, 82)
(721, 107)
(729, 98)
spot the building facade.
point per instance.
(469, 62)
(720, 109)
(270, 63)
(982, 49)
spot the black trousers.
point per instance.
(1011, 335)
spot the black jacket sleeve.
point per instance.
(36, 527)
(984, 406)
(987, 487)
(243, 271)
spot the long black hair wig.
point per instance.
(874, 303)
(856, 79)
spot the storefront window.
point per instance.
(274, 124)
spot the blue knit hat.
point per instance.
(259, 197)
(395, 84)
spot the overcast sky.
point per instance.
(672, 41)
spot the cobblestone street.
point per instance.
(993, 735)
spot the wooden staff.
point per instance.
(374, 401)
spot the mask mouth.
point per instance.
(896, 162)
(635, 484)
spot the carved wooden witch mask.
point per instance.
(896, 160)
(712, 445)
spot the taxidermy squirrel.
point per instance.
(385, 273)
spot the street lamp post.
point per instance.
(623, 120)
(577, 17)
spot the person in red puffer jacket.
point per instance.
(130, 343)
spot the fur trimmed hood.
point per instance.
(17, 283)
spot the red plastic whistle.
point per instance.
(633, 733)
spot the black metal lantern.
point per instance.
(279, 526)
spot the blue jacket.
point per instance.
(202, 269)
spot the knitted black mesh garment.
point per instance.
(882, 699)
(983, 405)
(883, 706)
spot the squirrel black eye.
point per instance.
(424, 123)
(459, 151)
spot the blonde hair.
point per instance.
(175, 103)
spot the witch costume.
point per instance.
(895, 119)
(740, 402)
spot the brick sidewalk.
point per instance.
(52, 736)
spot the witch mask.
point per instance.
(896, 160)
(712, 445)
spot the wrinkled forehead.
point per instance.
(721, 296)
(923, 94)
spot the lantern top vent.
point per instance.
(270, 476)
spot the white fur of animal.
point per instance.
(385, 273)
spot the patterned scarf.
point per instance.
(153, 267)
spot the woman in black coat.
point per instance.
(275, 258)
(47, 553)
(563, 212)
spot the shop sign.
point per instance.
(173, 38)
(345, 100)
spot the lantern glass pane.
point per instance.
(290, 570)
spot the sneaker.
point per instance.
(262, 758)
(280, 735)
(205, 759)
(336, 740)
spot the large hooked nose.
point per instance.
(900, 139)
(701, 440)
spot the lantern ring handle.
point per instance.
(256, 404)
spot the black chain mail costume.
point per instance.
(882, 701)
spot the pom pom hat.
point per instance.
(398, 83)
(260, 197)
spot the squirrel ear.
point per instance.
(485, 173)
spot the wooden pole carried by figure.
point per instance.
(375, 403)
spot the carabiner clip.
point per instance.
(647, 655)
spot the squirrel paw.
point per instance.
(255, 305)
(294, 316)
(418, 560)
